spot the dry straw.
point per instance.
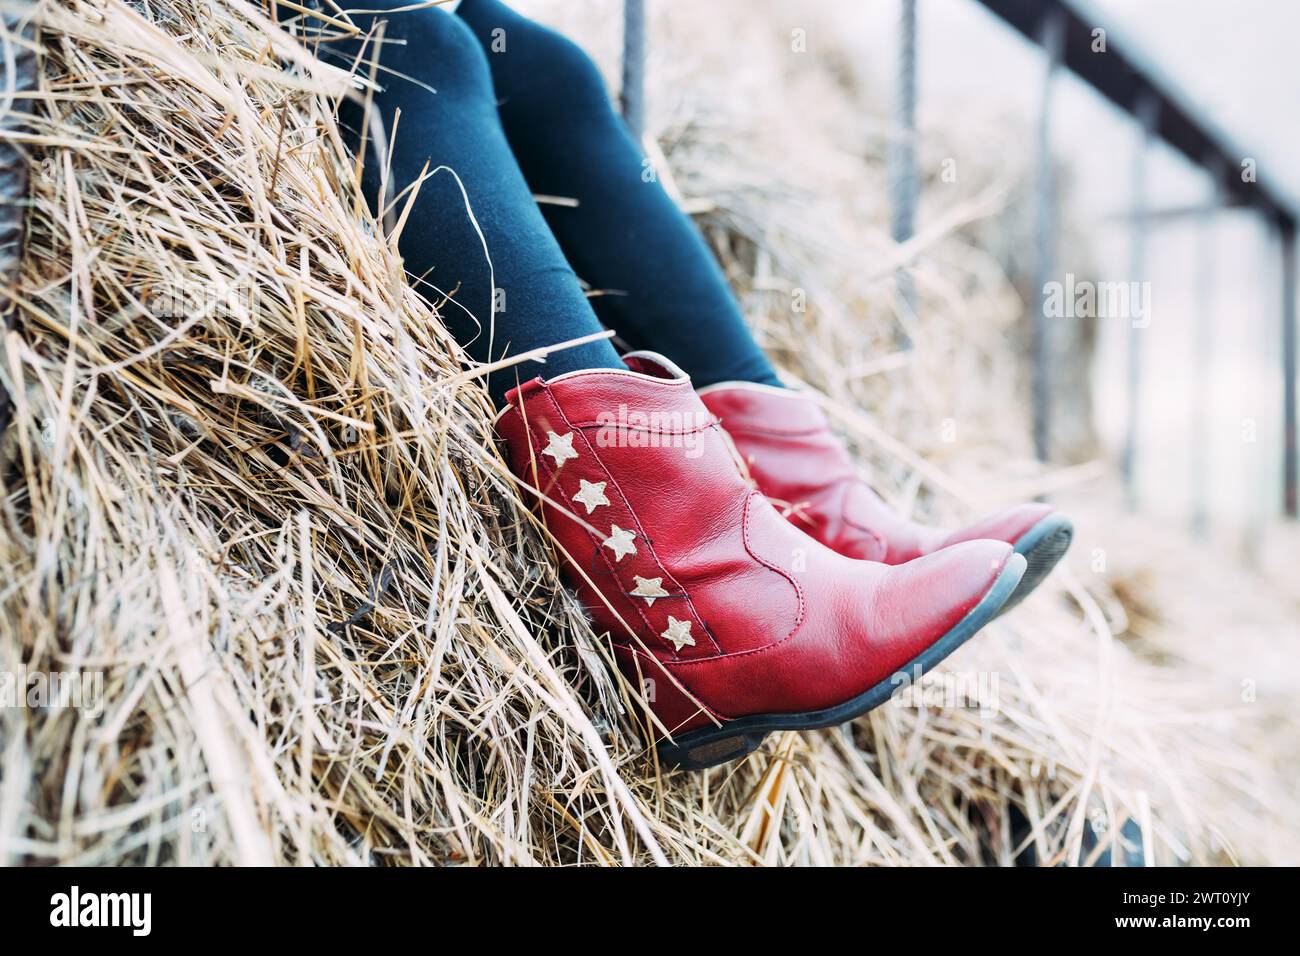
(248, 482)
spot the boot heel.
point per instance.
(702, 754)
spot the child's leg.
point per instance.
(435, 75)
(625, 236)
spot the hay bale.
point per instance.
(250, 483)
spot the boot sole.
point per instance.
(1043, 546)
(710, 746)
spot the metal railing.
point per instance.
(1066, 38)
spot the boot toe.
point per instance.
(924, 600)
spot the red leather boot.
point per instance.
(806, 471)
(732, 621)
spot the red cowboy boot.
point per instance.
(732, 621)
(795, 460)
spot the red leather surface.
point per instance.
(796, 461)
(779, 622)
(1006, 525)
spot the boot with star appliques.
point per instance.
(794, 459)
(731, 621)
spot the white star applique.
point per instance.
(592, 494)
(620, 542)
(679, 632)
(560, 447)
(649, 588)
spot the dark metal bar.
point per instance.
(632, 95)
(1122, 78)
(1051, 36)
(902, 161)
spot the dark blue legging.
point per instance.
(512, 109)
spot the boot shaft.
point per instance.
(705, 589)
(642, 494)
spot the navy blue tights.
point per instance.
(512, 109)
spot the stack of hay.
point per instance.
(250, 483)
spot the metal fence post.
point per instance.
(1147, 114)
(1052, 39)
(902, 162)
(1206, 263)
(631, 96)
(1290, 505)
